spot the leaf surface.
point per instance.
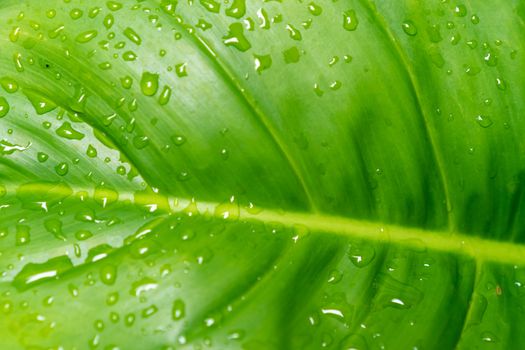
(261, 175)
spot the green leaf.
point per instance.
(262, 174)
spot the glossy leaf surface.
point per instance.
(262, 174)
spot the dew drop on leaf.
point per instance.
(236, 38)
(409, 28)
(113, 5)
(132, 35)
(314, 9)
(237, 9)
(62, 169)
(108, 274)
(262, 62)
(4, 107)
(23, 235)
(86, 36)
(149, 83)
(178, 310)
(67, 131)
(34, 273)
(361, 254)
(350, 21)
(460, 11)
(9, 85)
(294, 33)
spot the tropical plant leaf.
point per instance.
(262, 174)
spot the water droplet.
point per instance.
(14, 34)
(86, 36)
(132, 35)
(178, 140)
(489, 337)
(42, 157)
(113, 5)
(142, 286)
(129, 56)
(82, 235)
(108, 274)
(236, 38)
(4, 107)
(228, 210)
(165, 95)
(334, 276)
(109, 20)
(361, 254)
(484, 121)
(294, 33)
(126, 82)
(291, 55)
(75, 13)
(211, 5)
(474, 19)
(262, 62)
(237, 9)
(23, 235)
(41, 104)
(409, 28)
(9, 84)
(67, 131)
(32, 274)
(180, 70)
(350, 21)
(62, 169)
(178, 310)
(91, 151)
(54, 226)
(501, 84)
(149, 311)
(314, 9)
(460, 11)
(149, 83)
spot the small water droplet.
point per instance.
(361, 254)
(67, 131)
(4, 107)
(132, 35)
(178, 310)
(350, 21)
(149, 83)
(484, 121)
(236, 38)
(262, 62)
(409, 28)
(86, 36)
(237, 9)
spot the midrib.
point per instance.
(411, 237)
